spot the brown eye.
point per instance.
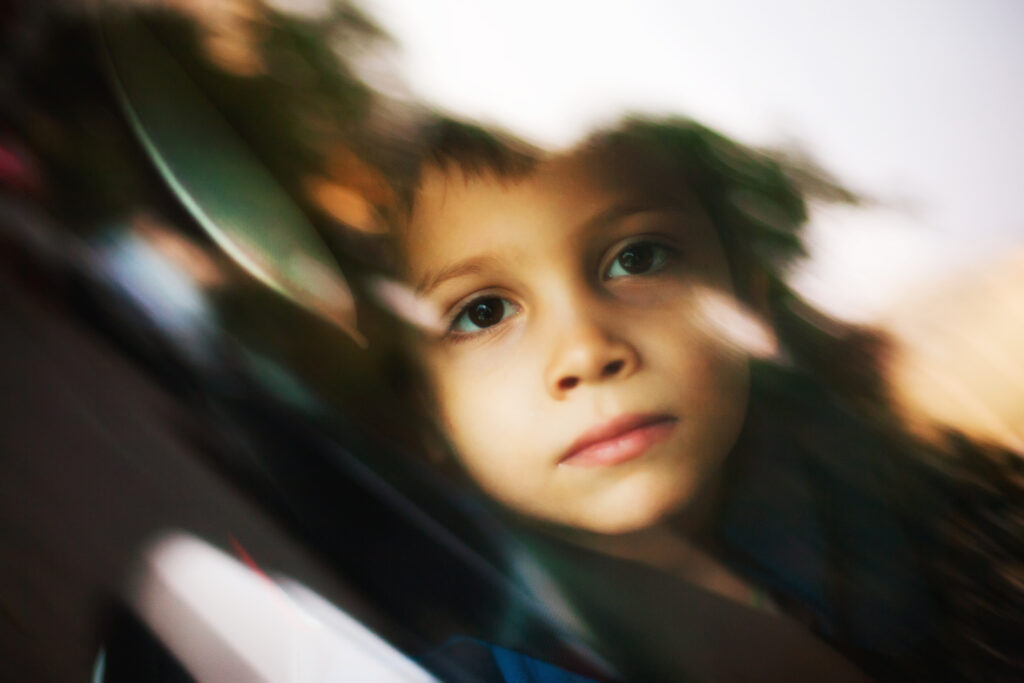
(487, 311)
(638, 258)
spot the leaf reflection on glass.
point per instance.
(219, 180)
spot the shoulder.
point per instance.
(976, 559)
(908, 551)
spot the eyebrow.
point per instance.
(617, 212)
(470, 266)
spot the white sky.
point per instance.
(916, 103)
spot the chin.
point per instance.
(620, 527)
(625, 519)
(640, 506)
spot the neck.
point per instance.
(663, 547)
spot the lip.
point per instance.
(619, 440)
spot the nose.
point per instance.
(588, 353)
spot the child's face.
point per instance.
(576, 381)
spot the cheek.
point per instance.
(487, 405)
(718, 403)
(709, 376)
(479, 386)
(720, 375)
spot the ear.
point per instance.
(431, 434)
(758, 294)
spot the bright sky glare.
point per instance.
(917, 104)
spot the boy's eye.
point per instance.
(482, 313)
(638, 258)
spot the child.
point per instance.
(592, 370)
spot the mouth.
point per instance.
(618, 440)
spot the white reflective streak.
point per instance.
(734, 324)
(226, 622)
(407, 305)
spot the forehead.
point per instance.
(457, 212)
(451, 190)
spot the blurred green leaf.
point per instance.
(218, 178)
